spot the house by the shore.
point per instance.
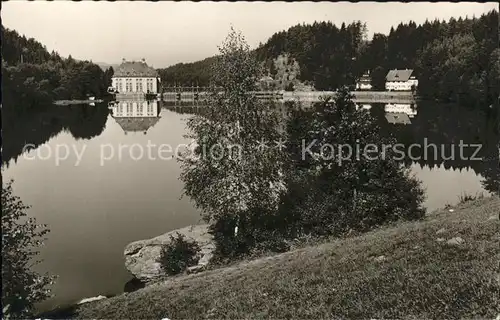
(135, 77)
(365, 82)
(401, 80)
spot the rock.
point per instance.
(440, 231)
(91, 299)
(195, 269)
(141, 256)
(379, 259)
(455, 241)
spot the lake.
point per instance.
(95, 207)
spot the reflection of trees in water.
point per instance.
(86, 122)
(184, 108)
(444, 126)
(38, 127)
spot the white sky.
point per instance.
(165, 33)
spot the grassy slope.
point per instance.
(420, 278)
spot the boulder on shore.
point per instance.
(141, 256)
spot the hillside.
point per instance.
(187, 74)
(105, 66)
(445, 266)
(457, 60)
(32, 77)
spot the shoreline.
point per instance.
(72, 102)
(449, 221)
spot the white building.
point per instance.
(400, 80)
(365, 82)
(135, 77)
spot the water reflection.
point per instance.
(38, 127)
(405, 108)
(429, 124)
(135, 116)
(94, 211)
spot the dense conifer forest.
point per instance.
(32, 76)
(456, 60)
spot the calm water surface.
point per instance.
(95, 210)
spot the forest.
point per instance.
(31, 76)
(187, 74)
(455, 61)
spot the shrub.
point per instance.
(465, 197)
(337, 193)
(179, 254)
(258, 233)
(21, 238)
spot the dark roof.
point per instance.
(136, 124)
(399, 75)
(135, 69)
(399, 117)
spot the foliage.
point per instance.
(465, 197)
(231, 176)
(179, 254)
(455, 61)
(31, 76)
(188, 74)
(326, 54)
(289, 87)
(21, 238)
(339, 187)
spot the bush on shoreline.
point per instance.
(179, 254)
(22, 287)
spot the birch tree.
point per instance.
(234, 171)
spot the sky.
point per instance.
(165, 33)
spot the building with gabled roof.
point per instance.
(135, 77)
(400, 80)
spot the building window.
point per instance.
(140, 109)
(119, 110)
(128, 85)
(149, 83)
(129, 109)
(138, 84)
(150, 109)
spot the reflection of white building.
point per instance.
(135, 77)
(135, 116)
(400, 80)
(409, 109)
(397, 118)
